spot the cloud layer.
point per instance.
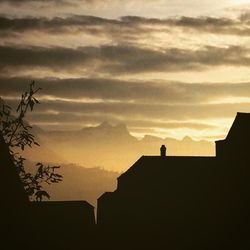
(238, 26)
(160, 74)
(114, 8)
(121, 59)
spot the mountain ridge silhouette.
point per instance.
(105, 145)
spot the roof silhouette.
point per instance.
(164, 165)
(237, 142)
(240, 127)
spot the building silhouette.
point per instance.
(184, 202)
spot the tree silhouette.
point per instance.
(17, 135)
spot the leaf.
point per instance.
(31, 104)
(57, 175)
(54, 167)
(36, 101)
(39, 195)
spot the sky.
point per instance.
(169, 68)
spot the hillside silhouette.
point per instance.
(81, 183)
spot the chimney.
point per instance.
(163, 150)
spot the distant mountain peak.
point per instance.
(105, 124)
(121, 126)
(151, 138)
(106, 129)
(187, 139)
(118, 127)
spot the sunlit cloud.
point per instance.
(116, 8)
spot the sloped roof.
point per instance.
(240, 128)
(166, 166)
(168, 161)
(105, 195)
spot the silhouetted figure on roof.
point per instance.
(163, 150)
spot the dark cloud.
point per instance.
(132, 23)
(193, 22)
(137, 60)
(135, 111)
(23, 2)
(150, 92)
(56, 24)
(48, 1)
(43, 57)
(121, 59)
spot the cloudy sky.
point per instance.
(164, 67)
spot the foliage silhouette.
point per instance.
(17, 135)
